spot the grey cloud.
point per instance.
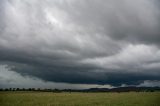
(148, 83)
(133, 58)
(9, 78)
(133, 21)
(82, 41)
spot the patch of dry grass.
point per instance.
(79, 99)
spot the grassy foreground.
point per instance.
(79, 99)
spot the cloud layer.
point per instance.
(16, 80)
(85, 42)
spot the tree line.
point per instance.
(29, 89)
(118, 89)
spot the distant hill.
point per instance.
(124, 89)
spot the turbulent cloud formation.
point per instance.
(14, 80)
(150, 84)
(82, 42)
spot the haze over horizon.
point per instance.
(79, 43)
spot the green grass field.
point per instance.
(79, 99)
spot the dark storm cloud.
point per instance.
(86, 41)
(14, 80)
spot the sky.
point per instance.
(79, 44)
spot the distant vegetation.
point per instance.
(120, 89)
(32, 98)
